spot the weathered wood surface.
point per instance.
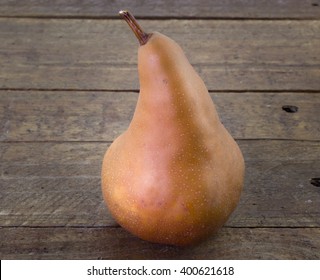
(115, 243)
(68, 87)
(101, 54)
(101, 116)
(162, 9)
(58, 184)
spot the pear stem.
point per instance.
(134, 25)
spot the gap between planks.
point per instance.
(116, 17)
(118, 226)
(109, 142)
(137, 90)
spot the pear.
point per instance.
(176, 174)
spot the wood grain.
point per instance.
(69, 85)
(162, 9)
(58, 184)
(115, 243)
(102, 116)
(101, 54)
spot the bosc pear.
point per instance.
(175, 175)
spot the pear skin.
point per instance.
(176, 174)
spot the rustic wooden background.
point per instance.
(68, 87)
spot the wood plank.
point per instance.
(115, 243)
(178, 9)
(101, 54)
(102, 116)
(58, 184)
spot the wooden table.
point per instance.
(68, 87)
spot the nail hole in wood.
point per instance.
(315, 182)
(290, 108)
(315, 4)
